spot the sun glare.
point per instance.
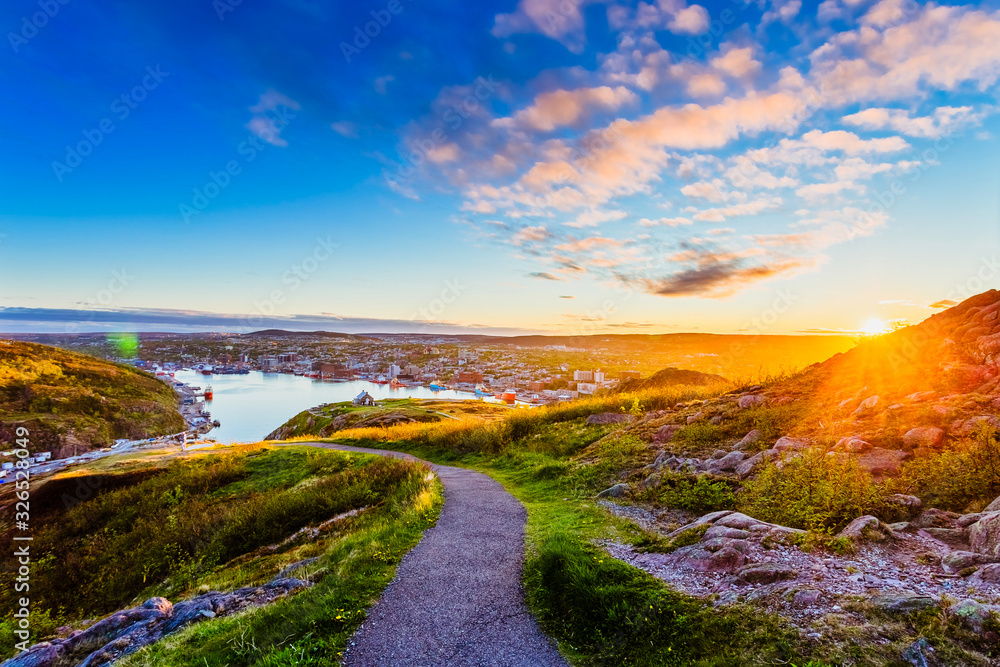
(875, 327)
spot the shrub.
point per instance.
(967, 474)
(812, 491)
(699, 494)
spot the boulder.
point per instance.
(853, 445)
(992, 507)
(866, 407)
(616, 491)
(767, 573)
(984, 535)
(729, 462)
(866, 528)
(608, 418)
(727, 532)
(920, 654)
(750, 438)
(903, 603)
(881, 462)
(967, 427)
(806, 597)
(971, 613)
(923, 436)
(956, 561)
(750, 400)
(987, 574)
(787, 444)
(696, 417)
(652, 481)
(967, 520)
(908, 505)
(956, 538)
(700, 559)
(746, 467)
(935, 518)
(921, 396)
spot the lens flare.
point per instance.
(874, 327)
(126, 345)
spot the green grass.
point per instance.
(222, 521)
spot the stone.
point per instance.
(920, 654)
(955, 538)
(993, 507)
(984, 535)
(866, 528)
(967, 427)
(880, 462)
(750, 401)
(714, 544)
(700, 559)
(719, 453)
(910, 505)
(750, 438)
(652, 481)
(971, 613)
(967, 520)
(921, 396)
(956, 561)
(608, 418)
(923, 436)
(787, 444)
(903, 603)
(766, 573)
(806, 597)
(933, 517)
(730, 461)
(853, 445)
(866, 407)
(695, 417)
(987, 574)
(616, 491)
(716, 420)
(727, 532)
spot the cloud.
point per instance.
(667, 222)
(716, 275)
(560, 20)
(943, 121)
(382, 82)
(587, 244)
(40, 320)
(594, 218)
(544, 275)
(943, 303)
(562, 108)
(270, 114)
(737, 63)
(530, 234)
(691, 20)
(754, 207)
(345, 129)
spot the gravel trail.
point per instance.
(457, 597)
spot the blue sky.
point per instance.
(541, 165)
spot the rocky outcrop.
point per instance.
(129, 630)
(923, 436)
(609, 418)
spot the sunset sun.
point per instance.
(875, 327)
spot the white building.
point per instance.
(583, 376)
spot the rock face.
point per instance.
(984, 535)
(750, 438)
(867, 528)
(129, 630)
(923, 436)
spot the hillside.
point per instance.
(323, 421)
(669, 377)
(72, 402)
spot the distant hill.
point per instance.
(670, 377)
(72, 402)
(297, 334)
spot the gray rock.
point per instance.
(718, 453)
(910, 505)
(666, 432)
(967, 520)
(750, 401)
(767, 573)
(730, 461)
(971, 613)
(866, 528)
(616, 491)
(903, 603)
(726, 531)
(987, 574)
(920, 654)
(695, 417)
(749, 439)
(787, 444)
(956, 538)
(696, 557)
(956, 561)
(936, 518)
(652, 481)
(992, 507)
(867, 407)
(806, 597)
(984, 535)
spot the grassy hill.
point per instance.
(670, 377)
(71, 401)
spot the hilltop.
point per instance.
(72, 402)
(669, 377)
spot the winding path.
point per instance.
(457, 598)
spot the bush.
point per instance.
(699, 494)
(812, 491)
(961, 477)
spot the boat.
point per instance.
(380, 380)
(482, 391)
(209, 393)
(436, 387)
(206, 371)
(396, 384)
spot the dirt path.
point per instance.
(457, 597)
